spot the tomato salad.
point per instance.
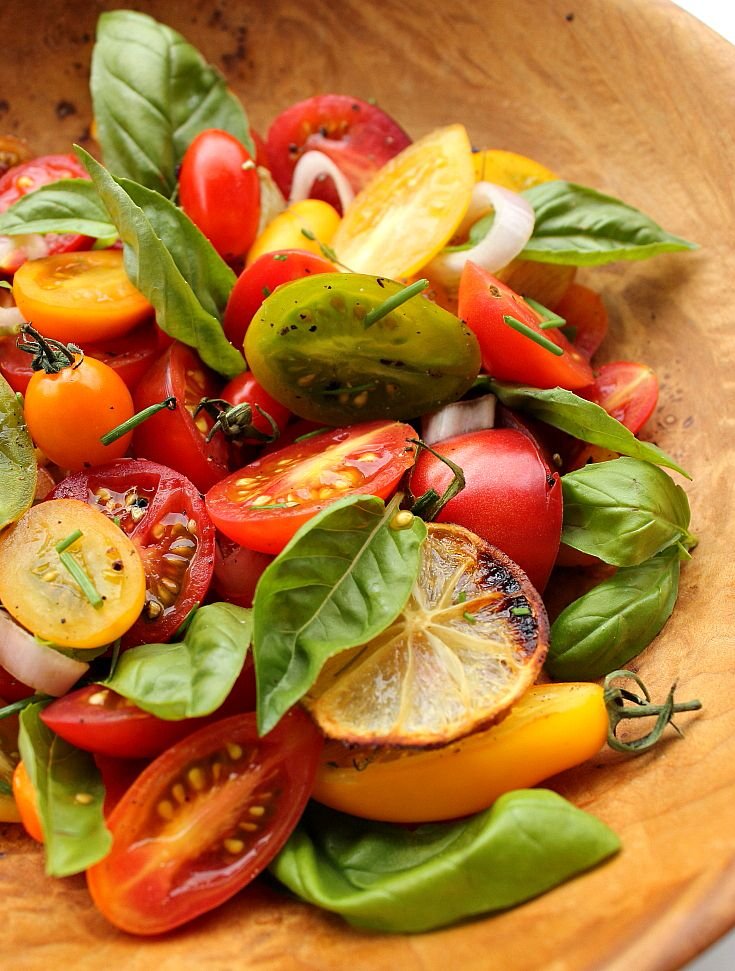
(295, 431)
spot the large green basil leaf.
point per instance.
(584, 419)
(343, 578)
(190, 678)
(623, 511)
(70, 796)
(579, 226)
(394, 879)
(152, 93)
(18, 466)
(66, 206)
(615, 620)
(153, 269)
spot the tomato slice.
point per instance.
(357, 136)
(80, 297)
(263, 504)
(626, 390)
(203, 820)
(176, 438)
(164, 516)
(11, 689)
(586, 317)
(506, 354)
(19, 181)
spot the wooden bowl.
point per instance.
(633, 97)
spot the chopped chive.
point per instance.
(115, 657)
(529, 332)
(311, 434)
(280, 257)
(550, 319)
(17, 706)
(394, 301)
(461, 597)
(469, 617)
(68, 561)
(131, 423)
(520, 611)
(357, 387)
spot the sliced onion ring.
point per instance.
(459, 418)
(309, 167)
(509, 233)
(36, 665)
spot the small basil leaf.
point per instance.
(193, 677)
(69, 796)
(152, 93)
(154, 271)
(66, 206)
(343, 578)
(18, 466)
(399, 880)
(623, 511)
(582, 418)
(614, 621)
(579, 226)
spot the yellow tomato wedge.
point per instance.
(71, 576)
(512, 171)
(411, 208)
(552, 728)
(286, 231)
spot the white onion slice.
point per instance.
(459, 418)
(509, 233)
(309, 167)
(34, 664)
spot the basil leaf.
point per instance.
(623, 511)
(394, 879)
(579, 226)
(18, 467)
(343, 578)
(193, 677)
(69, 795)
(614, 621)
(152, 93)
(154, 270)
(584, 419)
(66, 206)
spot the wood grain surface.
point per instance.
(633, 97)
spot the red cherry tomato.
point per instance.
(261, 149)
(511, 498)
(262, 505)
(12, 690)
(164, 515)
(245, 388)
(236, 573)
(507, 354)
(585, 314)
(260, 279)
(130, 356)
(176, 438)
(357, 136)
(118, 775)
(203, 820)
(627, 391)
(19, 181)
(220, 192)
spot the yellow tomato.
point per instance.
(512, 171)
(318, 218)
(411, 208)
(552, 728)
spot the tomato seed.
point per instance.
(256, 810)
(179, 793)
(234, 846)
(196, 778)
(234, 751)
(165, 809)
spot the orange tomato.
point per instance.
(25, 799)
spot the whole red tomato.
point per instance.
(511, 497)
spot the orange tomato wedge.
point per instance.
(512, 171)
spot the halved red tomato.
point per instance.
(163, 514)
(357, 136)
(203, 820)
(585, 314)
(626, 390)
(484, 302)
(263, 504)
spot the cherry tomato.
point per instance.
(129, 356)
(67, 413)
(357, 136)
(262, 505)
(11, 689)
(22, 179)
(626, 390)
(220, 192)
(261, 149)
(25, 799)
(286, 230)
(246, 388)
(164, 516)
(507, 354)
(118, 775)
(260, 279)
(80, 296)
(203, 820)
(585, 314)
(176, 438)
(511, 498)
(236, 573)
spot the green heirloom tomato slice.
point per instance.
(311, 349)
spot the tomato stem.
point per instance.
(430, 504)
(617, 710)
(49, 355)
(88, 588)
(531, 334)
(139, 418)
(394, 301)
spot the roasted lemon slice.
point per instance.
(469, 642)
